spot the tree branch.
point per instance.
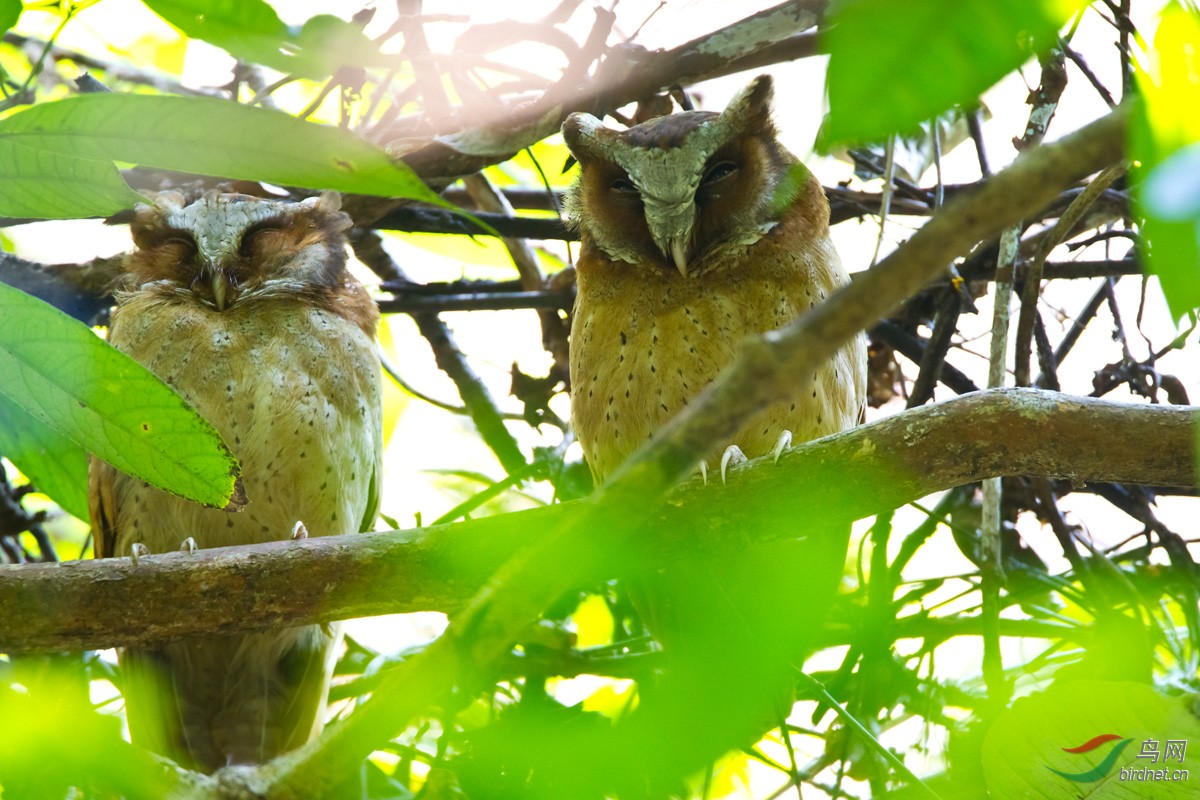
(627, 73)
(879, 466)
(480, 405)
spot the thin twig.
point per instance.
(1033, 271)
(991, 563)
(933, 360)
(475, 395)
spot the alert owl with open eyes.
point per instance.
(246, 308)
(697, 230)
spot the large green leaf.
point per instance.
(57, 371)
(248, 29)
(326, 42)
(56, 465)
(252, 31)
(1166, 157)
(10, 12)
(1073, 741)
(46, 185)
(895, 63)
(213, 137)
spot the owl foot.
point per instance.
(136, 551)
(732, 455)
(783, 443)
(188, 545)
(299, 531)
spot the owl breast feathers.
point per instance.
(698, 229)
(246, 308)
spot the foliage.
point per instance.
(977, 43)
(66, 392)
(1164, 146)
(1109, 633)
(80, 133)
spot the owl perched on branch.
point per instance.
(246, 308)
(698, 230)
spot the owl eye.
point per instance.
(250, 237)
(183, 241)
(718, 171)
(622, 185)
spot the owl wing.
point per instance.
(102, 507)
(373, 486)
(373, 428)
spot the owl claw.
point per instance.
(136, 551)
(299, 531)
(704, 472)
(188, 545)
(783, 443)
(732, 455)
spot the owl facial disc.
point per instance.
(229, 246)
(665, 159)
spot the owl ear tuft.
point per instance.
(751, 107)
(325, 201)
(328, 206)
(587, 137)
(329, 201)
(169, 201)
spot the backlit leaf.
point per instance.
(929, 55)
(56, 370)
(45, 185)
(212, 137)
(1163, 145)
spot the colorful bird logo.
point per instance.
(1100, 770)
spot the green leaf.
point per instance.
(327, 43)
(895, 63)
(213, 137)
(1163, 146)
(248, 29)
(56, 370)
(252, 31)
(788, 189)
(46, 185)
(10, 12)
(56, 465)
(1107, 724)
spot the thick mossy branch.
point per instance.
(75, 605)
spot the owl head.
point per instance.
(223, 248)
(676, 191)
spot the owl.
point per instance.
(697, 230)
(246, 308)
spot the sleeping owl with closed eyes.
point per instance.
(245, 307)
(698, 230)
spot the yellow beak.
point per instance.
(679, 256)
(220, 288)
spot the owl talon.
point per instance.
(732, 455)
(188, 545)
(136, 551)
(704, 472)
(299, 531)
(783, 443)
